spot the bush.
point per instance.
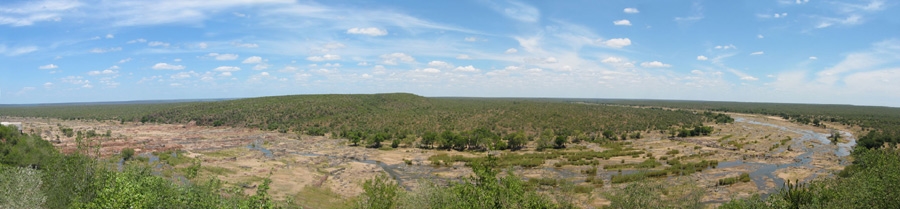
(744, 177)
(127, 154)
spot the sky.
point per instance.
(786, 51)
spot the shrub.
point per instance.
(127, 153)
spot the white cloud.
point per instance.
(363, 63)
(166, 66)
(158, 43)
(550, 60)
(702, 58)
(517, 10)
(428, 70)
(467, 69)
(326, 57)
(48, 85)
(371, 31)
(184, 75)
(203, 45)
(105, 50)
(17, 51)
(225, 74)
(655, 64)
(622, 22)
(440, 64)
(760, 36)
(223, 57)
(511, 51)
(776, 15)
(245, 45)
(108, 71)
(742, 75)
(393, 58)
(813, 58)
(631, 10)
(253, 60)
(140, 40)
(612, 60)
(696, 14)
(109, 36)
(471, 39)
(725, 47)
(261, 66)
(757, 53)
(227, 68)
(47, 67)
(463, 57)
(853, 19)
(30, 12)
(617, 42)
(125, 60)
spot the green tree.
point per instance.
(379, 193)
(127, 154)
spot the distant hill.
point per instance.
(115, 102)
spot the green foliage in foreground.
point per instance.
(871, 182)
(34, 175)
(656, 194)
(484, 190)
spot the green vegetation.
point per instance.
(868, 183)
(675, 168)
(647, 164)
(483, 190)
(881, 124)
(535, 159)
(657, 194)
(448, 123)
(45, 178)
(744, 177)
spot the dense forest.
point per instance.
(378, 118)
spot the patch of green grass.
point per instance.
(217, 170)
(649, 163)
(726, 137)
(175, 160)
(672, 152)
(544, 181)
(584, 189)
(676, 168)
(233, 152)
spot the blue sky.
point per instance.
(795, 51)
